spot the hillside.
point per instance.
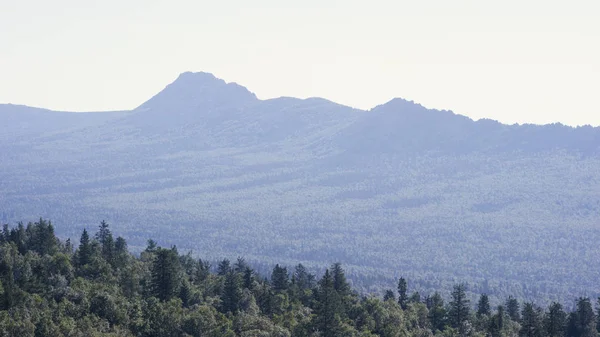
(48, 288)
(401, 188)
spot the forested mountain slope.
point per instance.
(48, 288)
(512, 209)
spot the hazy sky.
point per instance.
(514, 61)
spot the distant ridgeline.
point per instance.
(50, 288)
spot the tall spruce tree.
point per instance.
(84, 252)
(304, 280)
(531, 321)
(166, 274)
(232, 293)
(459, 308)
(555, 321)
(224, 267)
(120, 253)
(582, 322)
(328, 307)
(248, 278)
(280, 279)
(437, 312)
(512, 309)
(497, 322)
(402, 293)
(483, 306)
(340, 284)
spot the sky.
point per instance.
(527, 61)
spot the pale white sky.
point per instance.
(514, 61)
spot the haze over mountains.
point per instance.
(428, 194)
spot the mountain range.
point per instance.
(396, 190)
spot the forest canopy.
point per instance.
(96, 287)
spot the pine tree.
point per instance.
(459, 308)
(224, 267)
(497, 322)
(248, 278)
(232, 293)
(402, 293)
(107, 243)
(483, 306)
(84, 252)
(185, 293)
(340, 284)
(202, 271)
(166, 277)
(531, 323)
(437, 312)
(279, 278)
(151, 246)
(240, 265)
(41, 237)
(304, 280)
(555, 321)
(512, 309)
(68, 246)
(19, 237)
(582, 322)
(120, 254)
(103, 232)
(328, 307)
(389, 295)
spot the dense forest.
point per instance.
(51, 287)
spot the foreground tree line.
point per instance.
(50, 288)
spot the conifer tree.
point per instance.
(459, 308)
(582, 322)
(328, 307)
(512, 309)
(103, 232)
(166, 277)
(402, 293)
(340, 284)
(224, 267)
(437, 312)
(555, 321)
(248, 278)
(120, 253)
(389, 295)
(107, 243)
(240, 265)
(483, 306)
(232, 293)
(84, 252)
(151, 246)
(279, 278)
(304, 279)
(497, 322)
(531, 323)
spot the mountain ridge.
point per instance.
(309, 180)
(202, 79)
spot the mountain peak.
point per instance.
(190, 78)
(398, 103)
(196, 89)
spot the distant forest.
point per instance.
(51, 287)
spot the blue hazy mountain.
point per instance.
(398, 188)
